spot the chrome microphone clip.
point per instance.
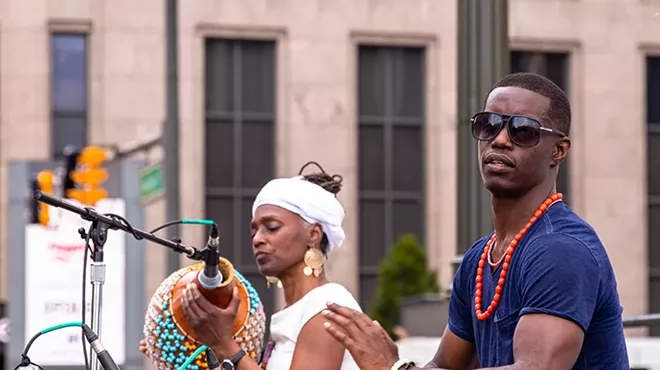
(210, 277)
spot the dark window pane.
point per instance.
(371, 85)
(653, 163)
(371, 157)
(654, 303)
(653, 179)
(408, 83)
(219, 77)
(219, 154)
(372, 232)
(653, 89)
(557, 66)
(257, 76)
(407, 157)
(221, 210)
(245, 246)
(368, 287)
(69, 72)
(551, 65)
(654, 236)
(654, 262)
(257, 148)
(516, 60)
(68, 131)
(408, 218)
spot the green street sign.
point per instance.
(151, 181)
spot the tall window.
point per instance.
(240, 144)
(653, 183)
(68, 91)
(554, 66)
(391, 153)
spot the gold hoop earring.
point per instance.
(273, 280)
(313, 262)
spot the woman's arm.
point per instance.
(316, 348)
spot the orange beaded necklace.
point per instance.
(507, 259)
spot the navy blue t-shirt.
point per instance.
(560, 268)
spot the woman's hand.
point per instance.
(143, 347)
(213, 325)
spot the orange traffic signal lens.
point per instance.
(90, 177)
(92, 156)
(45, 181)
(87, 196)
(44, 217)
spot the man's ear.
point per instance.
(562, 148)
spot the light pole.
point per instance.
(171, 131)
(483, 59)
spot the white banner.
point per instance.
(5, 330)
(53, 287)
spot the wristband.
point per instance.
(400, 363)
(408, 365)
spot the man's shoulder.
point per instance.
(563, 245)
(563, 231)
(474, 253)
(584, 256)
(565, 222)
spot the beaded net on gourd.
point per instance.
(168, 346)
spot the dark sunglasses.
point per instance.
(523, 131)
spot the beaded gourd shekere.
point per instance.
(168, 342)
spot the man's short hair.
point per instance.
(560, 107)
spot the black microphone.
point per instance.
(210, 277)
(101, 353)
(212, 361)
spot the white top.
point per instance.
(287, 324)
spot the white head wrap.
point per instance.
(310, 201)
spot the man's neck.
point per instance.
(510, 215)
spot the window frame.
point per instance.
(388, 122)
(237, 193)
(653, 200)
(57, 114)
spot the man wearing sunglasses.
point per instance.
(537, 293)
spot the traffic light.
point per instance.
(86, 175)
(71, 154)
(35, 204)
(44, 182)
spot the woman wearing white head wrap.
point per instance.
(296, 222)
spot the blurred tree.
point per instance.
(403, 272)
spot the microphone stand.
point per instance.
(98, 234)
